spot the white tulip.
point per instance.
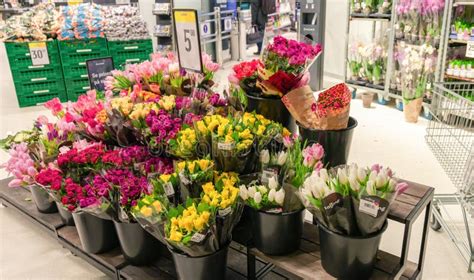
(323, 174)
(257, 197)
(243, 192)
(371, 190)
(262, 189)
(353, 171)
(280, 197)
(251, 191)
(342, 176)
(355, 186)
(272, 182)
(361, 174)
(381, 180)
(264, 156)
(316, 191)
(391, 185)
(281, 158)
(373, 175)
(271, 195)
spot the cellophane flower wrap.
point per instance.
(329, 111)
(351, 200)
(192, 174)
(195, 227)
(285, 65)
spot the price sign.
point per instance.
(98, 70)
(470, 49)
(74, 2)
(188, 39)
(38, 53)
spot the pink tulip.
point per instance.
(401, 187)
(15, 183)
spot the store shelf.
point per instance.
(360, 16)
(163, 13)
(457, 41)
(366, 86)
(463, 3)
(471, 80)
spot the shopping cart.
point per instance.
(450, 135)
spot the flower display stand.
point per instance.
(243, 262)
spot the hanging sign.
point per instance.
(227, 24)
(38, 53)
(188, 39)
(98, 70)
(470, 49)
(205, 28)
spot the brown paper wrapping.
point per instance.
(412, 110)
(299, 102)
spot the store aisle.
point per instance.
(382, 136)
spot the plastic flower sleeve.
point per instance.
(192, 174)
(228, 157)
(150, 214)
(292, 200)
(226, 220)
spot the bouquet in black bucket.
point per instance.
(192, 175)
(351, 200)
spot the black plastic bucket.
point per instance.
(138, 246)
(346, 257)
(212, 266)
(66, 216)
(43, 201)
(277, 233)
(336, 143)
(242, 232)
(97, 235)
(272, 109)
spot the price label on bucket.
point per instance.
(169, 190)
(368, 207)
(197, 237)
(188, 39)
(38, 53)
(470, 49)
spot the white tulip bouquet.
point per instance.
(351, 200)
(267, 197)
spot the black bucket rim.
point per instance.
(174, 252)
(262, 98)
(338, 130)
(278, 214)
(375, 234)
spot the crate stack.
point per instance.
(35, 84)
(130, 52)
(74, 54)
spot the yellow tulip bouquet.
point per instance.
(192, 174)
(199, 226)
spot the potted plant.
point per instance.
(351, 205)
(367, 98)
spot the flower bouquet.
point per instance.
(350, 203)
(192, 175)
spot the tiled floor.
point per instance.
(382, 136)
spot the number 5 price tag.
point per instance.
(38, 53)
(188, 39)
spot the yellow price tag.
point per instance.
(36, 45)
(185, 16)
(74, 2)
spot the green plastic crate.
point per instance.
(24, 63)
(37, 74)
(123, 58)
(131, 45)
(40, 87)
(83, 46)
(75, 72)
(40, 98)
(22, 49)
(79, 59)
(78, 84)
(73, 94)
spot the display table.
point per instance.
(242, 261)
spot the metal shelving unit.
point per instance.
(451, 41)
(375, 18)
(164, 25)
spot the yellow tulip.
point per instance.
(199, 223)
(174, 221)
(181, 165)
(176, 236)
(204, 164)
(191, 166)
(205, 216)
(208, 187)
(146, 211)
(165, 177)
(157, 206)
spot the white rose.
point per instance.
(272, 182)
(257, 197)
(243, 192)
(271, 195)
(280, 197)
(264, 156)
